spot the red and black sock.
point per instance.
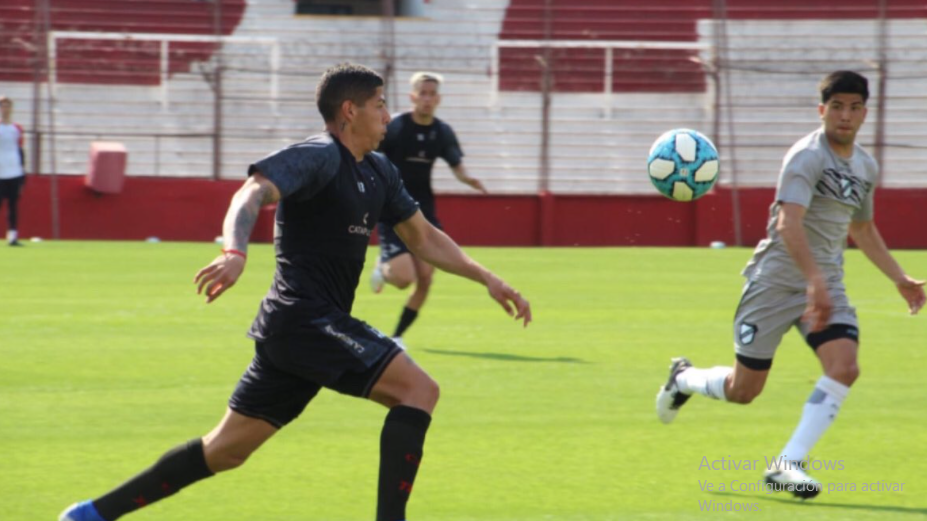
(177, 468)
(401, 445)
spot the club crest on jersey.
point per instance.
(843, 186)
(846, 187)
(747, 333)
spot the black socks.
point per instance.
(405, 320)
(177, 468)
(401, 445)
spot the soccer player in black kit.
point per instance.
(331, 190)
(414, 140)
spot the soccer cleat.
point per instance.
(83, 511)
(398, 341)
(669, 398)
(377, 280)
(792, 479)
(15, 243)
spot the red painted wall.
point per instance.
(167, 208)
(193, 209)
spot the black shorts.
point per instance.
(391, 246)
(10, 188)
(337, 351)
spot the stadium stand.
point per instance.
(163, 105)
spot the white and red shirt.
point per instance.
(11, 144)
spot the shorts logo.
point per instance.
(343, 338)
(747, 333)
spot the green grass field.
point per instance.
(108, 358)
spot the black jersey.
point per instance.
(328, 208)
(413, 148)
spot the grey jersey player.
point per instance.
(795, 278)
(834, 191)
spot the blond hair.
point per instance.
(423, 76)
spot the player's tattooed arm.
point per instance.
(243, 212)
(222, 273)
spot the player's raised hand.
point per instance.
(913, 292)
(220, 275)
(817, 311)
(510, 300)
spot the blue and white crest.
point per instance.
(747, 333)
(846, 187)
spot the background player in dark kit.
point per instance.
(414, 140)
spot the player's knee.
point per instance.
(419, 391)
(424, 393)
(429, 391)
(845, 373)
(402, 281)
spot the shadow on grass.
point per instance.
(506, 357)
(817, 504)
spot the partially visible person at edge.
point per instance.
(12, 171)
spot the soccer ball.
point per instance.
(683, 164)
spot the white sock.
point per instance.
(11, 235)
(820, 410)
(709, 382)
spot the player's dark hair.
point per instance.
(4, 98)
(844, 82)
(345, 82)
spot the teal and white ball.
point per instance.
(683, 164)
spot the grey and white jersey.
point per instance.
(835, 191)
